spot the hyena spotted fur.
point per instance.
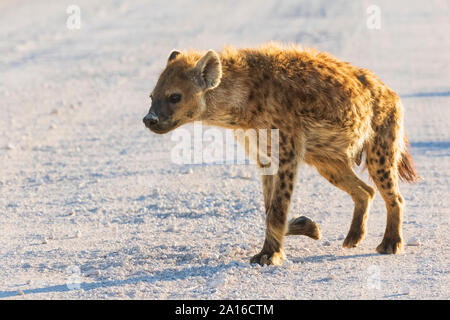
(328, 113)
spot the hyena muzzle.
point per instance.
(328, 113)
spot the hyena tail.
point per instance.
(303, 226)
(405, 166)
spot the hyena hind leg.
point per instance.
(362, 194)
(382, 169)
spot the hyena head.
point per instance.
(179, 94)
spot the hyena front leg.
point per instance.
(267, 181)
(277, 206)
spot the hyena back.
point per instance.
(328, 113)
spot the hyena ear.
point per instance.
(208, 70)
(173, 55)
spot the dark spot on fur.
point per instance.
(277, 123)
(389, 185)
(283, 185)
(287, 195)
(280, 201)
(291, 176)
(382, 160)
(362, 79)
(190, 114)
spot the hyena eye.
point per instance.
(175, 97)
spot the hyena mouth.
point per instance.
(162, 128)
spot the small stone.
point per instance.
(44, 241)
(172, 228)
(326, 243)
(54, 111)
(20, 293)
(244, 174)
(92, 273)
(78, 234)
(341, 237)
(288, 264)
(414, 241)
(10, 146)
(404, 291)
(71, 213)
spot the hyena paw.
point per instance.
(268, 258)
(303, 226)
(352, 239)
(390, 246)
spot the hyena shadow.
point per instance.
(332, 257)
(157, 276)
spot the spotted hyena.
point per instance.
(328, 113)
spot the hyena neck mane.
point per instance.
(227, 104)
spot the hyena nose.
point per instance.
(151, 119)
